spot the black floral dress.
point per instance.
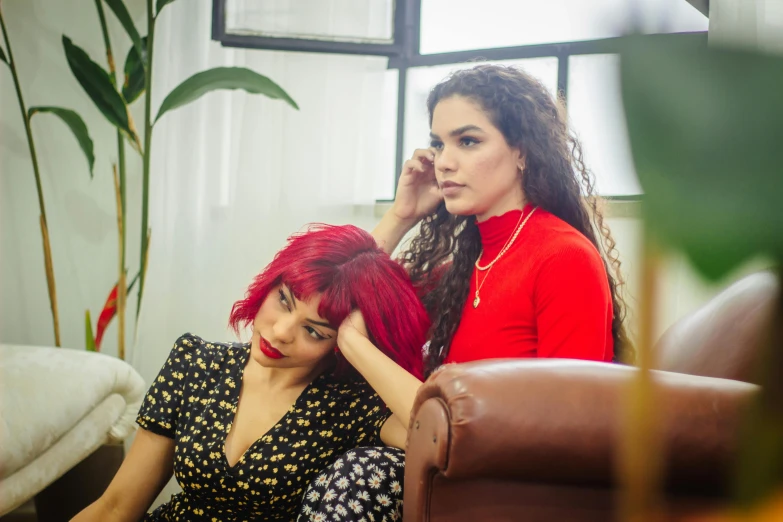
(193, 401)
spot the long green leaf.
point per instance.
(77, 126)
(135, 74)
(122, 14)
(705, 125)
(2, 55)
(222, 78)
(96, 82)
(161, 4)
(89, 339)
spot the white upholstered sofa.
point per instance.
(57, 407)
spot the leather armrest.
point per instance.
(559, 421)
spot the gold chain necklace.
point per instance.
(477, 299)
(502, 250)
(508, 244)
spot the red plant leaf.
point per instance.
(107, 314)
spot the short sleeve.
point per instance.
(368, 413)
(160, 409)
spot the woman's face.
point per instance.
(289, 333)
(478, 172)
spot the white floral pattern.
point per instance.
(370, 488)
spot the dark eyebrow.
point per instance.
(459, 131)
(290, 295)
(292, 298)
(325, 325)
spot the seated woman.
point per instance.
(337, 332)
(511, 252)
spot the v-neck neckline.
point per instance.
(232, 412)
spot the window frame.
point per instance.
(404, 54)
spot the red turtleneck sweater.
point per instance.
(548, 296)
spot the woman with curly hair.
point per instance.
(512, 258)
(512, 246)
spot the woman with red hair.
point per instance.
(337, 332)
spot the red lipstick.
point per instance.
(267, 349)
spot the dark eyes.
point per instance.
(312, 332)
(284, 300)
(464, 141)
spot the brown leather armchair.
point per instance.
(536, 440)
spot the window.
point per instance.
(570, 45)
(462, 25)
(595, 113)
(358, 21)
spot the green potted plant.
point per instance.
(113, 97)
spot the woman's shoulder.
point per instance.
(195, 350)
(557, 240)
(350, 389)
(193, 343)
(564, 258)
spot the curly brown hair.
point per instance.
(554, 178)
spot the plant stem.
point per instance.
(121, 289)
(121, 160)
(641, 456)
(44, 224)
(122, 205)
(120, 140)
(113, 76)
(122, 294)
(106, 40)
(147, 154)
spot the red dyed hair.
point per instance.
(345, 266)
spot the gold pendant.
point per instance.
(476, 301)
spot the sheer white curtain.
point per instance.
(752, 23)
(234, 174)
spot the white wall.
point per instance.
(80, 212)
(681, 290)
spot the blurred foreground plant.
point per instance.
(705, 126)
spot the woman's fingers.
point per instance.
(414, 165)
(427, 154)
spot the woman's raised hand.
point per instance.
(417, 189)
(351, 325)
